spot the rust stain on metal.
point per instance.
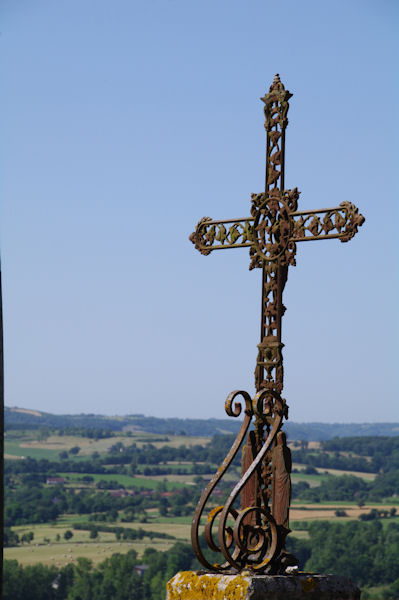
(254, 537)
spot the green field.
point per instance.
(15, 450)
(124, 480)
(28, 444)
(324, 472)
(312, 480)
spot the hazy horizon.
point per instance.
(225, 417)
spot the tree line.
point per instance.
(13, 420)
(384, 455)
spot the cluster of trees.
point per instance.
(93, 433)
(36, 503)
(343, 488)
(33, 503)
(72, 451)
(366, 454)
(132, 460)
(349, 488)
(363, 445)
(378, 514)
(11, 538)
(30, 501)
(365, 552)
(148, 454)
(114, 578)
(325, 460)
(123, 533)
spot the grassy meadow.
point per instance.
(127, 481)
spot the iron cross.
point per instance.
(271, 233)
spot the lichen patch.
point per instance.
(188, 585)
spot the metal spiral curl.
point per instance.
(232, 412)
(244, 545)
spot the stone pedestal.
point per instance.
(191, 585)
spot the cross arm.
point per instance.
(212, 235)
(340, 222)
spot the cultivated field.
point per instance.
(19, 444)
(322, 471)
(60, 554)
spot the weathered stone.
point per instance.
(190, 585)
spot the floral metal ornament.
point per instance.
(253, 536)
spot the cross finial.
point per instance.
(276, 85)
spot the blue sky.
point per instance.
(123, 123)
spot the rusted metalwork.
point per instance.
(340, 222)
(253, 536)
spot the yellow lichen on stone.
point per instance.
(236, 589)
(308, 584)
(188, 585)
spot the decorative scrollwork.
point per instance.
(276, 109)
(272, 228)
(273, 225)
(248, 538)
(354, 220)
(340, 222)
(215, 235)
(256, 540)
(270, 356)
(234, 411)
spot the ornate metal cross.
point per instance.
(253, 537)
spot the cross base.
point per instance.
(192, 585)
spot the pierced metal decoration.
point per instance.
(249, 530)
